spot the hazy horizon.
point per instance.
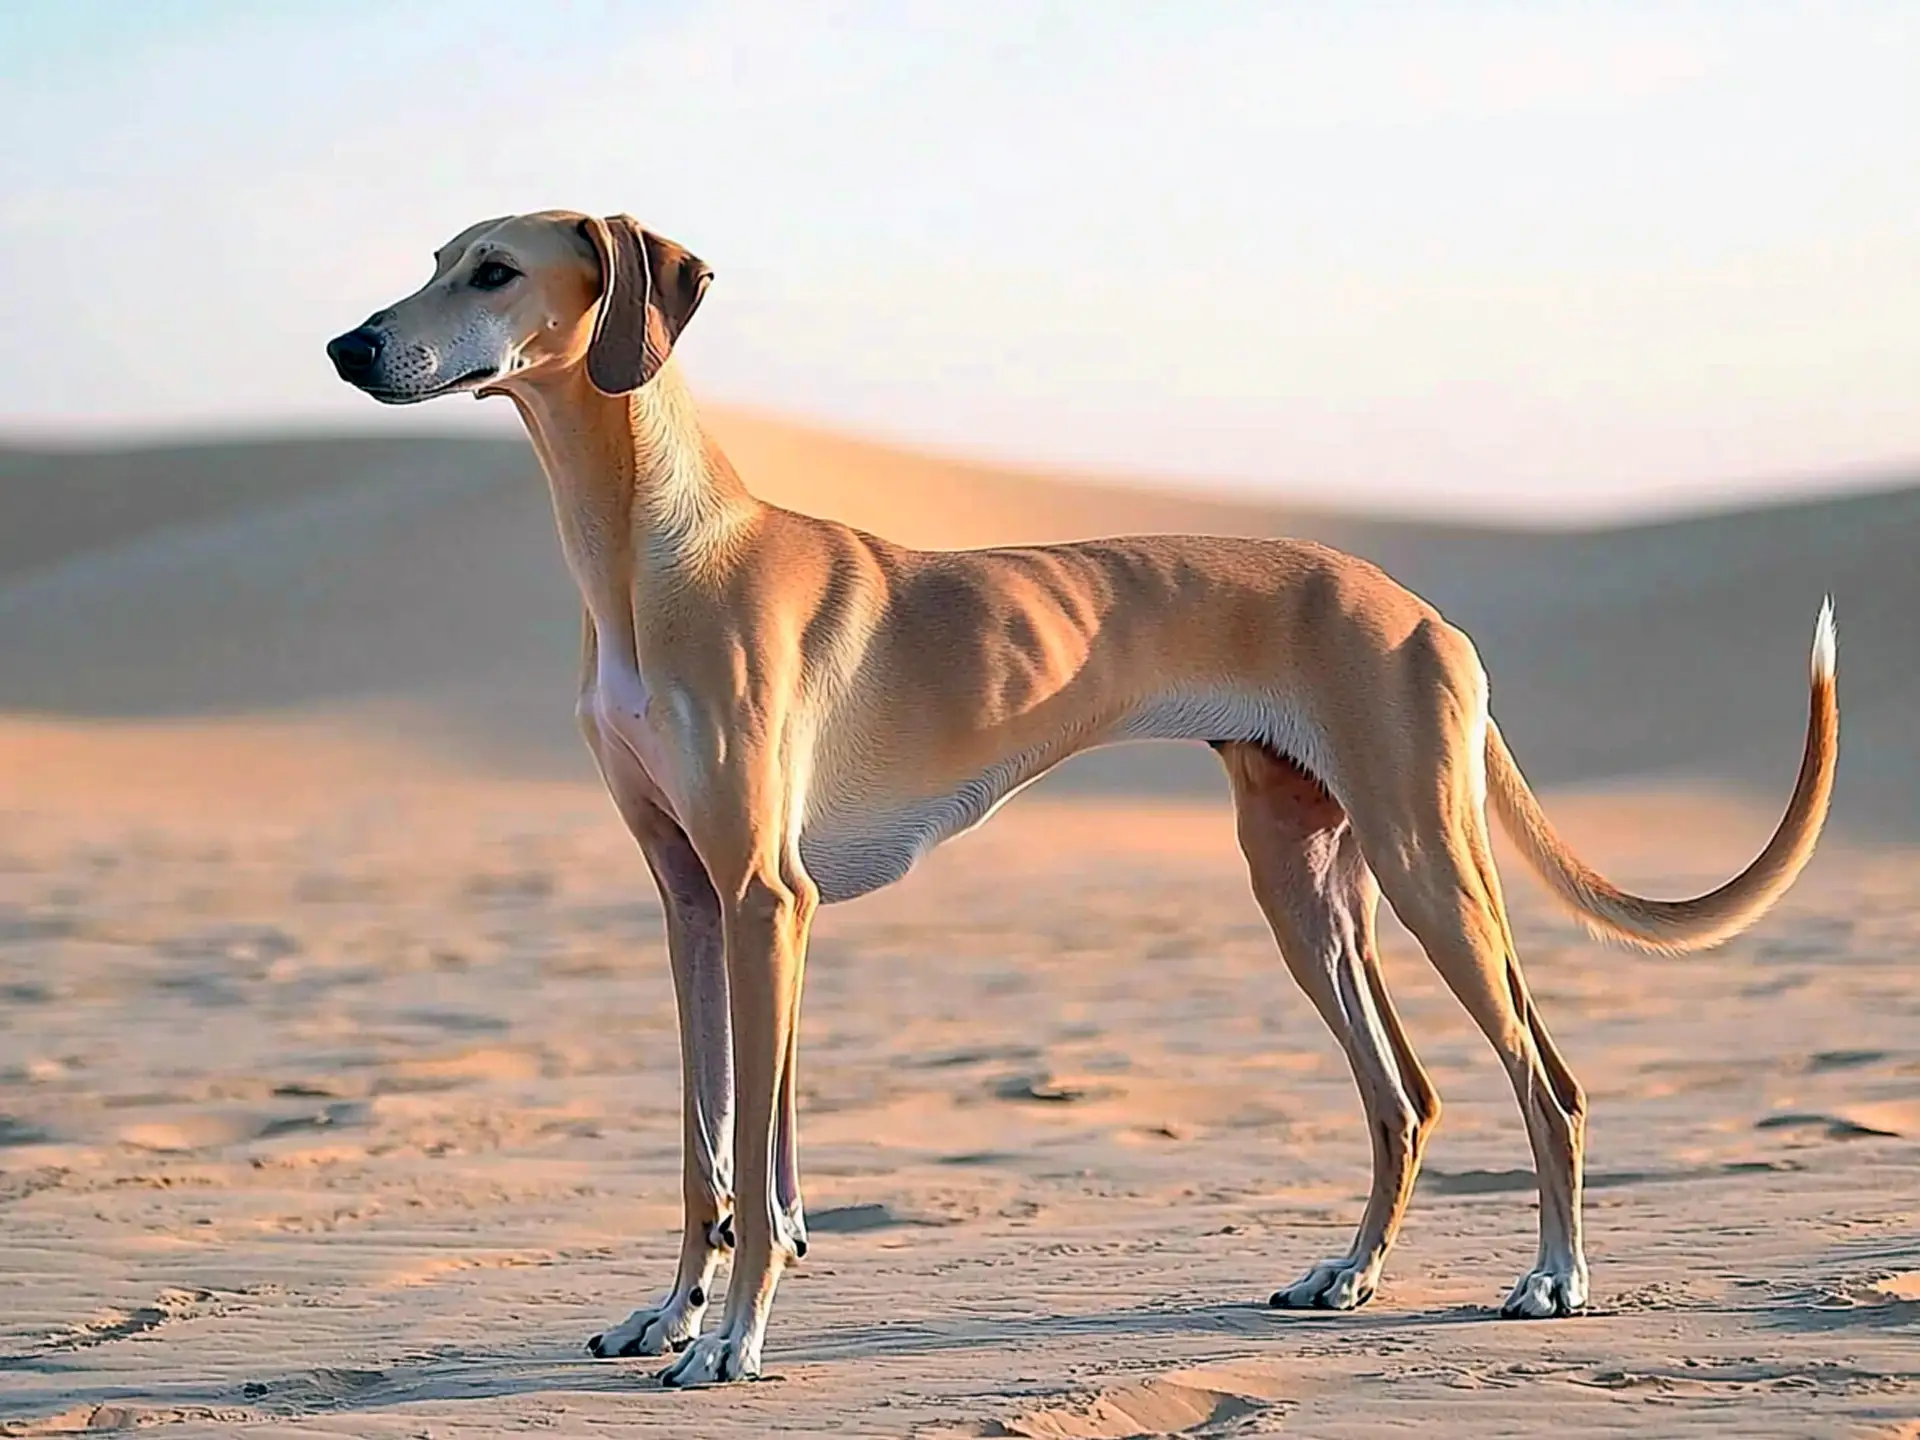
(1681, 503)
(1549, 263)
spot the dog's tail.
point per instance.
(1677, 925)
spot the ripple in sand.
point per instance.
(1184, 1403)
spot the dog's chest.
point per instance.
(636, 753)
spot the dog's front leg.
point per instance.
(766, 911)
(786, 1148)
(695, 948)
(694, 945)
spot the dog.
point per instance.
(789, 712)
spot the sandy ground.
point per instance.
(339, 1097)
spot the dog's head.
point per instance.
(528, 296)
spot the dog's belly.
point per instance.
(851, 849)
(855, 841)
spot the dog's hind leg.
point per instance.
(1452, 905)
(1320, 898)
(1426, 840)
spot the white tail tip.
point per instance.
(1825, 642)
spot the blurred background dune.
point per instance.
(382, 579)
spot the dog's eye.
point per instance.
(492, 275)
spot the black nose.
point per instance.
(353, 353)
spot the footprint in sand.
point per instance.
(1903, 1287)
(1901, 1290)
(1041, 1087)
(111, 1325)
(214, 1129)
(1833, 1127)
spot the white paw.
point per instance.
(670, 1325)
(714, 1360)
(1343, 1284)
(1547, 1291)
(790, 1231)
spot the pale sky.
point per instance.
(1527, 257)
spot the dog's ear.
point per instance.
(649, 289)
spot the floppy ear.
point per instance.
(649, 289)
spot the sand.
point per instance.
(337, 1062)
(353, 1111)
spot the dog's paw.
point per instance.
(714, 1360)
(1343, 1284)
(1547, 1291)
(790, 1231)
(670, 1325)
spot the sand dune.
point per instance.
(422, 575)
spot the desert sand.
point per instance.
(338, 1086)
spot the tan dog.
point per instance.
(787, 711)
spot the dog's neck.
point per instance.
(642, 497)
